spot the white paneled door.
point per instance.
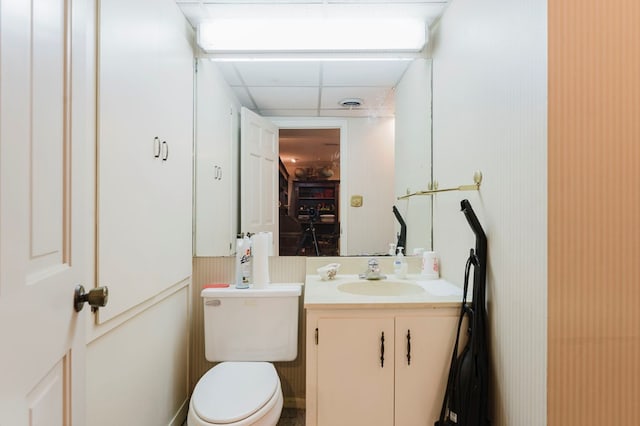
(259, 175)
(46, 209)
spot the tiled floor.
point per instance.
(289, 417)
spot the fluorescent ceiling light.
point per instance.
(312, 35)
(309, 57)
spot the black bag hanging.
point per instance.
(466, 398)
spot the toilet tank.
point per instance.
(251, 324)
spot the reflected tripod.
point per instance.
(309, 233)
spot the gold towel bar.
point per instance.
(477, 178)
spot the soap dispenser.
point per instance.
(400, 265)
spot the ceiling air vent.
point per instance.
(351, 102)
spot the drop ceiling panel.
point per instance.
(289, 112)
(373, 97)
(358, 112)
(279, 73)
(363, 73)
(285, 97)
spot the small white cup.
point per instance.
(328, 272)
(430, 265)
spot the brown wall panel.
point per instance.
(594, 212)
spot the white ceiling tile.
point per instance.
(373, 97)
(280, 73)
(285, 97)
(361, 112)
(289, 112)
(363, 73)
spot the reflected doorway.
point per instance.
(309, 192)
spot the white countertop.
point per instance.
(320, 294)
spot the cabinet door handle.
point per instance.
(382, 350)
(217, 173)
(408, 347)
(156, 147)
(165, 149)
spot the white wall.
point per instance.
(370, 173)
(490, 114)
(413, 152)
(137, 373)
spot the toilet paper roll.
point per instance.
(260, 259)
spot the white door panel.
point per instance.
(259, 175)
(45, 208)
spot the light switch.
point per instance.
(356, 201)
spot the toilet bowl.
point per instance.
(237, 394)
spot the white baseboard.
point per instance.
(181, 416)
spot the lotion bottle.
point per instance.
(399, 265)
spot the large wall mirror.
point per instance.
(378, 105)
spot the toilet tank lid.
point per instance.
(271, 290)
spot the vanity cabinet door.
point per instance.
(355, 370)
(423, 354)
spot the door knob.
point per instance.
(96, 297)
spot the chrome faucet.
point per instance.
(373, 271)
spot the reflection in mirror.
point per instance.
(309, 192)
(386, 140)
(384, 152)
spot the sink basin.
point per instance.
(381, 288)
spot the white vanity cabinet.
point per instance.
(144, 154)
(354, 377)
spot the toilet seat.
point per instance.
(234, 392)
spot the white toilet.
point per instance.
(246, 329)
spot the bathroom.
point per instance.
(505, 77)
